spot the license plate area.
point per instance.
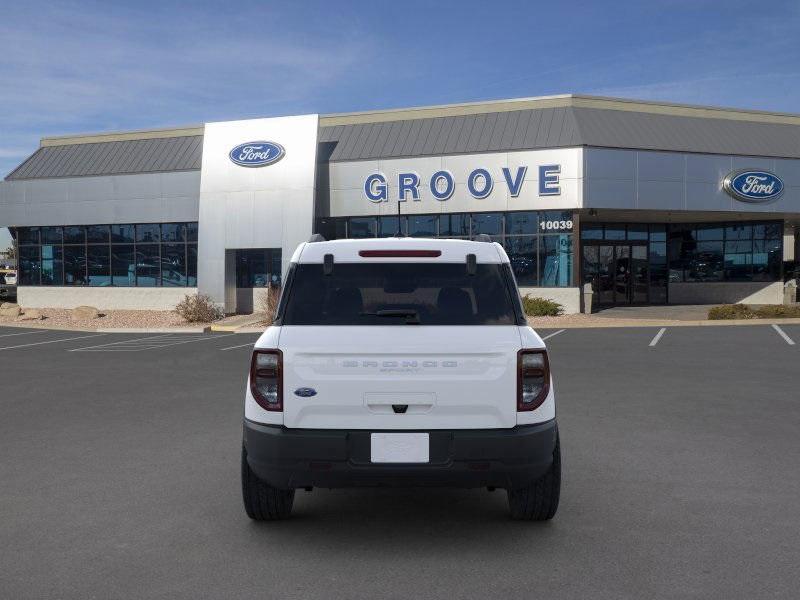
(400, 448)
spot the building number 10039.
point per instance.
(556, 225)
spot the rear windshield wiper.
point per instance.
(412, 316)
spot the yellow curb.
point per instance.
(228, 328)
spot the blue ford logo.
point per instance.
(753, 186)
(305, 392)
(257, 154)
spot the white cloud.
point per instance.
(70, 68)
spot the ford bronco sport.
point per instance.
(400, 362)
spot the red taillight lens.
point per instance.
(266, 379)
(533, 379)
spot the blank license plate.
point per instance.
(400, 447)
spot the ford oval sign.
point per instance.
(753, 186)
(257, 154)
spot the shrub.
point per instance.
(268, 303)
(778, 311)
(198, 308)
(731, 311)
(541, 307)
(746, 311)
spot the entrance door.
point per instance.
(257, 269)
(617, 271)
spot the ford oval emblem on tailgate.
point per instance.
(305, 392)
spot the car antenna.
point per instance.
(399, 232)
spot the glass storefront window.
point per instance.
(29, 264)
(709, 233)
(173, 232)
(767, 231)
(454, 225)
(97, 234)
(488, 223)
(739, 231)
(74, 265)
(522, 223)
(740, 251)
(98, 259)
(74, 235)
(534, 259)
(123, 265)
(387, 226)
(658, 233)
(148, 233)
(362, 227)
(51, 235)
(555, 260)
(522, 253)
(191, 266)
(122, 234)
(638, 232)
(148, 265)
(191, 232)
(52, 265)
(107, 255)
(258, 267)
(591, 231)
(173, 265)
(614, 231)
(423, 225)
(27, 235)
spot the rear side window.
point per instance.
(399, 294)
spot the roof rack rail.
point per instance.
(316, 237)
(483, 237)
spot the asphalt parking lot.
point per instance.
(119, 478)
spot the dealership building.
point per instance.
(650, 203)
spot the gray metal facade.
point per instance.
(561, 127)
(113, 158)
(514, 130)
(141, 198)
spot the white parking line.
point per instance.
(122, 342)
(83, 337)
(658, 337)
(782, 333)
(25, 333)
(154, 343)
(548, 336)
(240, 346)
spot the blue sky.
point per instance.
(74, 67)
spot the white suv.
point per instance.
(400, 362)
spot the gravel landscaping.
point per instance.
(58, 318)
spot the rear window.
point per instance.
(399, 294)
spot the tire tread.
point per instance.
(539, 501)
(262, 502)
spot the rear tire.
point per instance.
(262, 502)
(538, 501)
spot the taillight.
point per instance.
(266, 379)
(533, 379)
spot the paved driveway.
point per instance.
(119, 479)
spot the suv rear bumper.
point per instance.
(297, 458)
